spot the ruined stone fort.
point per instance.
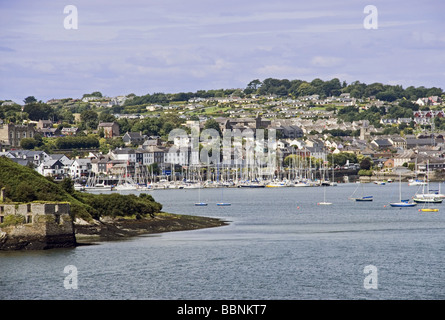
(35, 225)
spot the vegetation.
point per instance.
(12, 220)
(117, 205)
(70, 142)
(23, 184)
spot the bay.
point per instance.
(279, 244)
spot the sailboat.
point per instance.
(324, 203)
(200, 204)
(363, 197)
(222, 203)
(402, 203)
(427, 197)
(426, 208)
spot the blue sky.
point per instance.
(141, 47)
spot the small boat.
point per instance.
(363, 197)
(412, 182)
(426, 208)
(324, 202)
(424, 199)
(368, 198)
(79, 187)
(200, 204)
(223, 204)
(275, 185)
(402, 203)
(429, 209)
(252, 185)
(382, 183)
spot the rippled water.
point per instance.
(279, 245)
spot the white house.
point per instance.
(80, 168)
(126, 154)
(51, 168)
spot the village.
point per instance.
(314, 145)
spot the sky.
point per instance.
(145, 46)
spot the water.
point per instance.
(279, 245)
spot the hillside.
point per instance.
(96, 216)
(24, 184)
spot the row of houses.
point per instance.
(393, 151)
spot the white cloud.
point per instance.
(325, 61)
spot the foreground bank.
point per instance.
(38, 226)
(119, 228)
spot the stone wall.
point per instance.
(36, 226)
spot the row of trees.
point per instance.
(333, 87)
(298, 88)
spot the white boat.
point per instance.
(412, 182)
(427, 197)
(402, 203)
(125, 186)
(324, 202)
(79, 187)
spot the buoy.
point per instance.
(384, 206)
(298, 207)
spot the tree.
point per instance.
(106, 117)
(30, 99)
(365, 164)
(305, 89)
(94, 94)
(28, 143)
(254, 85)
(213, 124)
(90, 119)
(39, 111)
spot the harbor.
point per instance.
(278, 244)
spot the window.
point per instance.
(29, 219)
(2, 218)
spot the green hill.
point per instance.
(24, 184)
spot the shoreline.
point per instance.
(110, 229)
